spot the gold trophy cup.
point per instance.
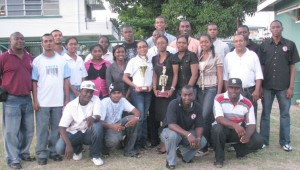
(143, 69)
(163, 82)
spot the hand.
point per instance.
(90, 121)
(239, 130)
(131, 122)
(170, 93)
(194, 142)
(138, 89)
(118, 127)
(36, 106)
(289, 93)
(69, 152)
(255, 95)
(149, 88)
(244, 139)
(155, 93)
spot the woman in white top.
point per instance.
(75, 63)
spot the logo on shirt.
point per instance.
(52, 70)
(284, 48)
(193, 116)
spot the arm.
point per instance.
(36, 104)
(194, 142)
(134, 119)
(225, 82)
(69, 148)
(289, 93)
(108, 77)
(250, 129)
(194, 70)
(175, 79)
(76, 93)
(127, 81)
(257, 90)
(225, 122)
(154, 83)
(219, 79)
(67, 90)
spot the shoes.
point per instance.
(178, 152)
(169, 166)
(15, 166)
(98, 161)
(134, 154)
(201, 153)
(264, 146)
(56, 158)
(231, 149)
(28, 158)
(77, 157)
(42, 161)
(287, 148)
(218, 164)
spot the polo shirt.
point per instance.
(186, 119)
(74, 114)
(193, 45)
(221, 48)
(170, 38)
(246, 67)
(77, 69)
(243, 111)
(276, 59)
(16, 73)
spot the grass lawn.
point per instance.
(272, 157)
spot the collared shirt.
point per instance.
(16, 73)
(133, 69)
(153, 51)
(243, 111)
(63, 52)
(74, 114)
(107, 56)
(276, 59)
(193, 45)
(170, 38)
(221, 48)
(77, 69)
(246, 67)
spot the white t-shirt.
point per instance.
(112, 112)
(108, 57)
(50, 72)
(74, 114)
(77, 69)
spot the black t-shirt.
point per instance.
(186, 119)
(131, 50)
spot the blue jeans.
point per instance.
(92, 137)
(142, 102)
(72, 95)
(18, 127)
(284, 108)
(47, 131)
(206, 100)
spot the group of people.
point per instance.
(179, 93)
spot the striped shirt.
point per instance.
(241, 112)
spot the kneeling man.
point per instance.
(183, 127)
(235, 123)
(79, 125)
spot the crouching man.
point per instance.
(235, 123)
(117, 127)
(80, 125)
(183, 128)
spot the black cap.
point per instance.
(116, 86)
(235, 82)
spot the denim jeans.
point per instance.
(141, 100)
(206, 99)
(284, 108)
(72, 95)
(47, 130)
(92, 137)
(18, 127)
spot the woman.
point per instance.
(96, 69)
(187, 62)
(162, 66)
(75, 63)
(210, 81)
(139, 69)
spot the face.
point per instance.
(187, 96)
(48, 43)
(72, 46)
(276, 29)
(239, 42)
(17, 41)
(97, 53)
(234, 93)
(116, 96)
(85, 96)
(104, 43)
(142, 48)
(243, 31)
(120, 54)
(127, 33)
(161, 44)
(155, 35)
(182, 44)
(212, 30)
(185, 28)
(205, 43)
(58, 37)
(160, 24)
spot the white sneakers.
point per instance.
(98, 161)
(77, 157)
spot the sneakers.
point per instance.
(77, 157)
(201, 153)
(98, 161)
(218, 164)
(231, 149)
(287, 148)
(264, 146)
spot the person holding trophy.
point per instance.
(140, 70)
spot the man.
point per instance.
(183, 127)
(117, 127)
(160, 25)
(50, 75)
(130, 45)
(244, 64)
(235, 123)
(58, 41)
(278, 57)
(244, 30)
(107, 55)
(79, 125)
(18, 122)
(221, 48)
(185, 29)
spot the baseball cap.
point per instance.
(88, 85)
(115, 87)
(235, 82)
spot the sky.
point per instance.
(260, 19)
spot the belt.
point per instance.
(248, 88)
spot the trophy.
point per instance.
(163, 82)
(143, 69)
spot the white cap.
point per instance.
(88, 85)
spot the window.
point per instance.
(29, 7)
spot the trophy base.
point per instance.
(144, 88)
(162, 94)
